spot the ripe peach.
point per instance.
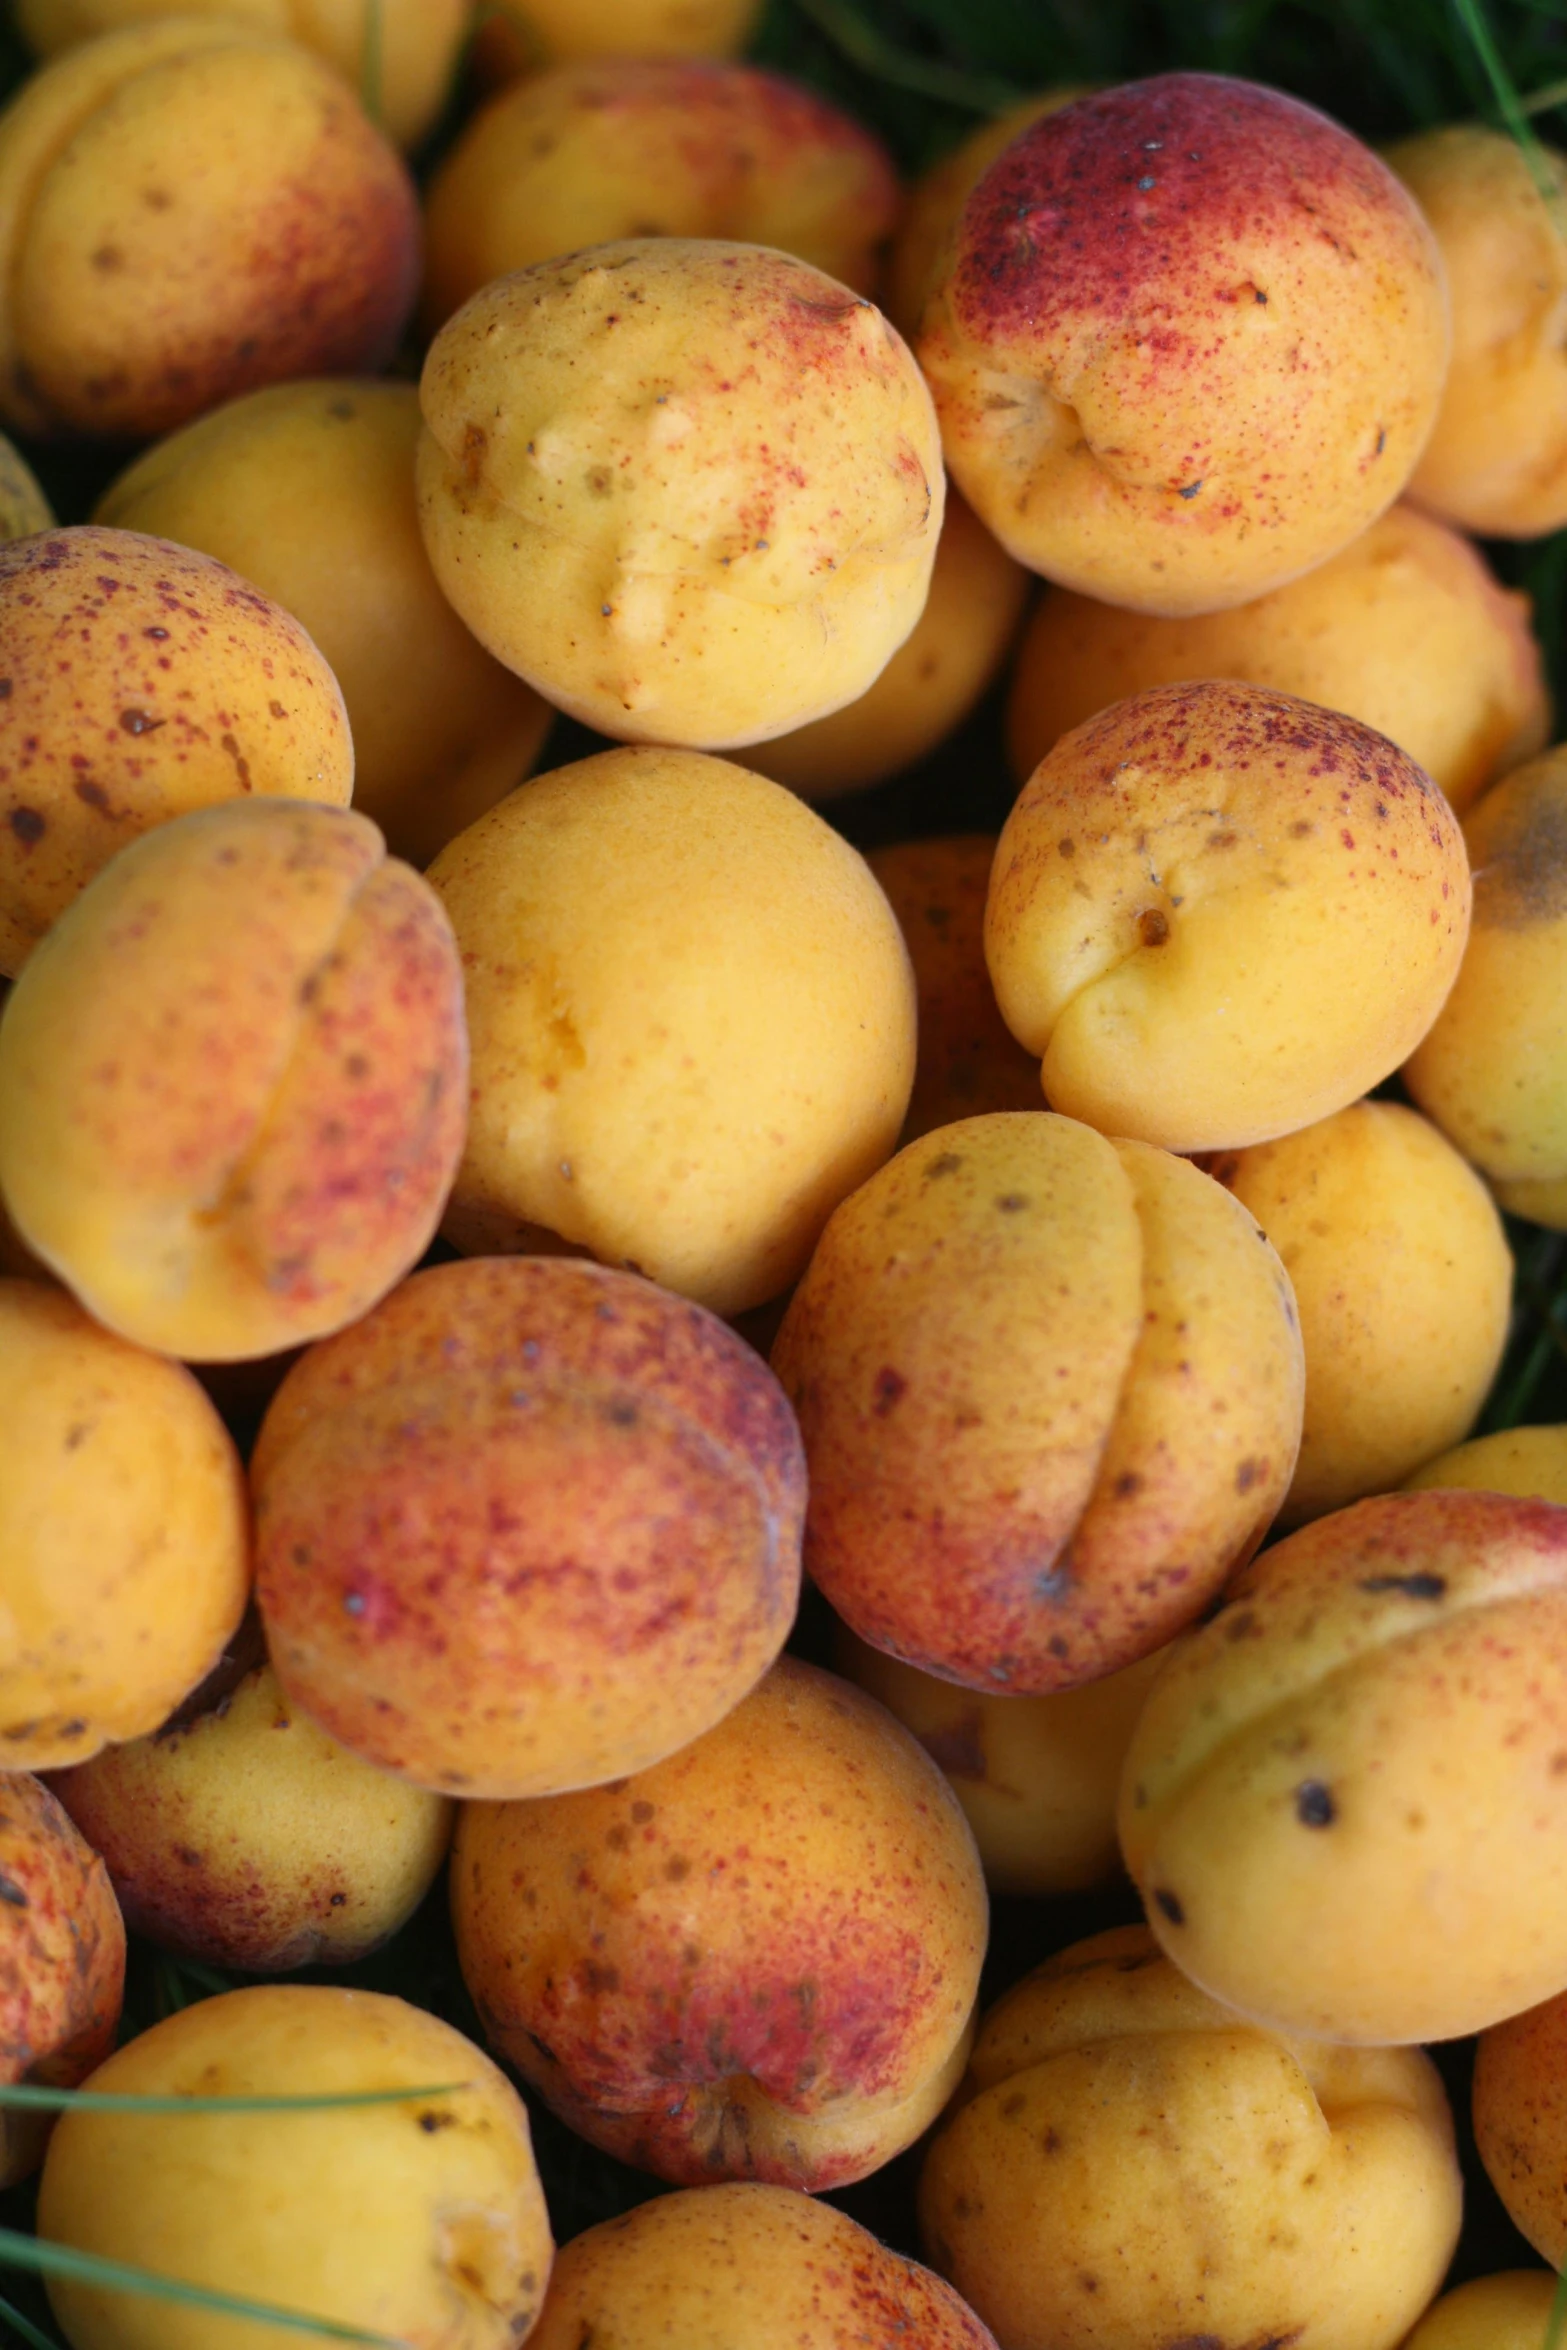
(142, 681)
(188, 210)
(1344, 1797)
(528, 1524)
(1497, 460)
(124, 1536)
(1403, 1282)
(241, 1834)
(692, 1022)
(232, 1080)
(1504, 2312)
(307, 488)
(1131, 2162)
(640, 146)
(968, 1060)
(1050, 1391)
(1189, 883)
(928, 687)
(1520, 2120)
(1188, 342)
(62, 1960)
(690, 490)
(757, 1960)
(1406, 630)
(747, 2267)
(23, 507)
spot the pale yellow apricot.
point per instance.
(1525, 1461)
(1503, 2312)
(519, 35)
(1520, 2121)
(23, 507)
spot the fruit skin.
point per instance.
(529, 1524)
(239, 1834)
(124, 1533)
(1531, 1462)
(1520, 2120)
(1121, 394)
(189, 210)
(1129, 2161)
(1219, 914)
(746, 2267)
(62, 1960)
(1406, 630)
(1343, 1796)
(1503, 2312)
(540, 31)
(144, 680)
(233, 1079)
(307, 489)
(757, 1960)
(423, 2220)
(691, 491)
(24, 510)
(1050, 1390)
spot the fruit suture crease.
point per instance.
(474, 1250)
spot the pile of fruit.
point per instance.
(738, 1397)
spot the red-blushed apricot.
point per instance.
(142, 680)
(747, 2267)
(24, 509)
(233, 1080)
(124, 1535)
(1520, 2120)
(1130, 2162)
(968, 1061)
(1050, 1389)
(1406, 630)
(62, 1959)
(1509, 2311)
(756, 1960)
(1220, 914)
(1188, 341)
(611, 147)
(1344, 1797)
(529, 1524)
(189, 210)
(528, 33)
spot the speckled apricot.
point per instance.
(233, 1080)
(529, 1524)
(1508, 2311)
(124, 1533)
(1129, 2162)
(141, 680)
(757, 1960)
(1188, 341)
(189, 210)
(1220, 914)
(62, 1959)
(747, 2267)
(639, 146)
(1520, 2120)
(1050, 1391)
(1344, 1798)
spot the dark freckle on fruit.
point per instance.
(948, 1164)
(1314, 1804)
(1171, 1908)
(677, 1868)
(1412, 1586)
(1049, 2142)
(621, 1412)
(641, 1813)
(11, 1893)
(1301, 828)
(27, 825)
(1066, 848)
(1127, 1484)
(1189, 489)
(159, 636)
(1011, 1202)
(1153, 928)
(431, 2122)
(891, 1386)
(338, 1901)
(1247, 1475)
(5, 689)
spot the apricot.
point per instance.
(691, 491)
(1406, 630)
(747, 2267)
(1525, 1461)
(401, 53)
(1504, 2312)
(62, 1960)
(1036, 1776)
(1220, 914)
(124, 1534)
(421, 2220)
(242, 1835)
(528, 1524)
(189, 210)
(692, 1022)
(930, 685)
(1492, 1070)
(143, 680)
(23, 507)
(756, 1960)
(520, 35)
(1050, 1392)
(1496, 461)
(1188, 341)
(307, 488)
(1403, 1282)
(233, 1079)
(1131, 2162)
(641, 146)
(1520, 2122)
(1345, 1793)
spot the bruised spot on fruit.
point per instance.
(1169, 1905)
(28, 826)
(1417, 1586)
(1248, 1473)
(11, 1893)
(947, 1164)
(1012, 1203)
(1153, 927)
(891, 1387)
(142, 722)
(1314, 1804)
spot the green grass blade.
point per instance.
(48, 2259)
(33, 2099)
(926, 77)
(1476, 23)
(372, 66)
(23, 2327)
